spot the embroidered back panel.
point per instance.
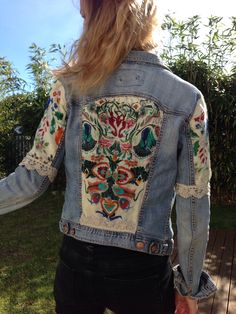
(119, 140)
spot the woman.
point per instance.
(134, 136)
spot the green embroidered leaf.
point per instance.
(59, 115)
(53, 126)
(195, 148)
(150, 139)
(46, 144)
(193, 134)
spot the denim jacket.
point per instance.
(131, 149)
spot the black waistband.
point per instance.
(75, 253)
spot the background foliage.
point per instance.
(201, 53)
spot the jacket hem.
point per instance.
(125, 240)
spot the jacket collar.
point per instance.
(145, 57)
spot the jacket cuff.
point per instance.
(205, 289)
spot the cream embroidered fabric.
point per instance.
(48, 135)
(201, 155)
(116, 225)
(187, 191)
(119, 141)
(43, 169)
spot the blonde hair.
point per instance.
(112, 28)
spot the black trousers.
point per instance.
(91, 277)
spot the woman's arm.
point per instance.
(193, 206)
(39, 167)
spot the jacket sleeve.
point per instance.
(39, 167)
(193, 206)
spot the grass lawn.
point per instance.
(29, 243)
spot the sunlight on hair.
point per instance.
(111, 30)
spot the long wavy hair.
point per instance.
(112, 28)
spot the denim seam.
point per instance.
(154, 162)
(148, 63)
(198, 96)
(166, 226)
(187, 160)
(191, 249)
(88, 228)
(190, 156)
(139, 94)
(79, 174)
(109, 232)
(76, 177)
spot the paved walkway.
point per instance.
(220, 263)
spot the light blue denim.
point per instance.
(141, 74)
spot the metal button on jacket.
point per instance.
(153, 247)
(140, 245)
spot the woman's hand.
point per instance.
(185, 305)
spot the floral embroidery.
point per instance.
(119, 139)
(48, 135)
(201, 155)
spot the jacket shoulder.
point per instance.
(176, 94)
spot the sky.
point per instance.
(44, 22)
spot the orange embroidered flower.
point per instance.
(131, 163)
(101, 101)
(136, 106)
(115, 157)
(59, 135)
(57, 95)
(97, 158)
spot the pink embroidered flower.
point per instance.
(130, 123)
(104, 142)
(57, 94)
(103, 118)
(200, 118)
(157, 130)
(39, 145)
(200, 122)
(125, 146)
(202, 151)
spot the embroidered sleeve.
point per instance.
(201, 154)
(49, 134)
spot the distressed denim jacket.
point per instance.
(130, 150)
